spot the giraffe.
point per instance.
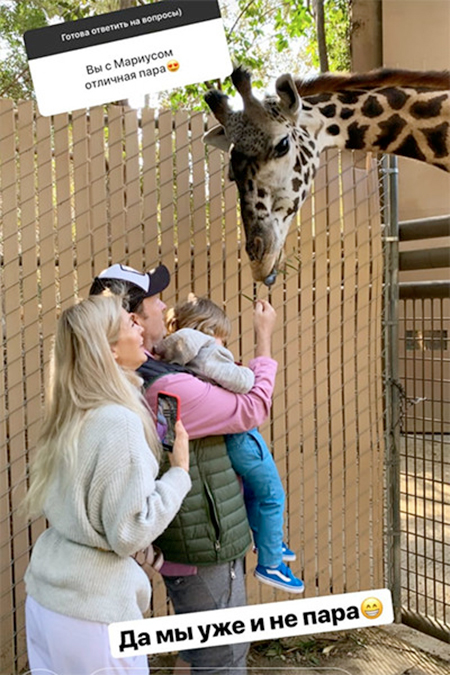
(275, 144)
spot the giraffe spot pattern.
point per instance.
(296, 183)
(390, 131)
(292, 209)
(346, 113)
(350, 97)
(396, 98)
(427, 109)
(328, 110)
(320, 98)
(410, 148)
(260, 206)
(436, 139)
(372, 107)
(356, 134)
(333, 130)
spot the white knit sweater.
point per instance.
(110, 508)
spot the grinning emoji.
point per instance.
(372, 608)
(173, 66)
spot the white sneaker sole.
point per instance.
(279, 584)
(284, 556)
(289, 558)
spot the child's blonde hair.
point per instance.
(200, 313)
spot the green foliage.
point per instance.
(337, 28)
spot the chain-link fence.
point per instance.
(81, 191)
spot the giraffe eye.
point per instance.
(282, 147)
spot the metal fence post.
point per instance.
(392, 392)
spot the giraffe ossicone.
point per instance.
(275, 144)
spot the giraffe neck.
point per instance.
(406, 121)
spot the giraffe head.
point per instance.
(272, 172)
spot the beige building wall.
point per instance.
(416, 35)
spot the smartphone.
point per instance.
(168, 412)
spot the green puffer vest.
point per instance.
(211, 527)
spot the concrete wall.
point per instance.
(416, 35)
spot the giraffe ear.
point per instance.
(287, 91)
(216, 136)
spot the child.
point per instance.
(197, 330)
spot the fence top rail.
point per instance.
(424, 228)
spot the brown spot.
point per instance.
(390, 131)
(427, 109)
(372, 107)
(346, 113)
(321, 98)
(395, 97)
(410, 148)
(296, 183)
(303, 158)
(333, 130)
(356, 135)
(349, 97)
(328, 110)
(437, 139)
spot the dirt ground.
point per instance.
(373, 651)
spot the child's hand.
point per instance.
(264, 318)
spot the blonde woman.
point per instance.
(94, 478)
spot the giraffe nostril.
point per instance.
(258, 248)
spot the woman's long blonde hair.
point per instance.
(83, 376)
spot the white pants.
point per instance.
(61, 645)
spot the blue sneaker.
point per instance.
(280, 577)
(288, 555)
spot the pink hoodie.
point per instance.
(208, 410)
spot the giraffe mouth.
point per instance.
(267, 268)
(265, 256)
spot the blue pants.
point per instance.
(263, 493)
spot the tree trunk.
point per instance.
(319, 14)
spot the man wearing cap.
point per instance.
(205, 544)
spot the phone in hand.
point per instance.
(168, 412)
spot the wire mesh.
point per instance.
(425, 463)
